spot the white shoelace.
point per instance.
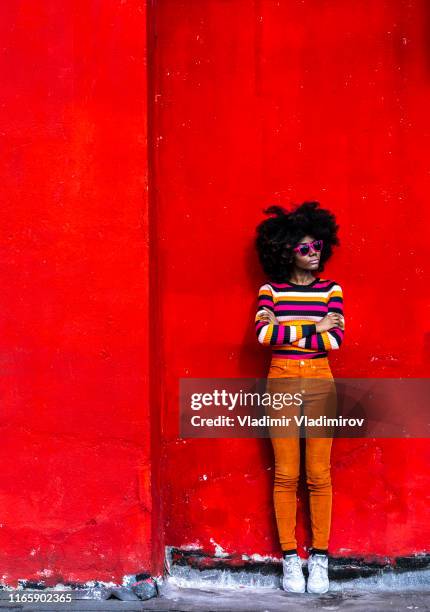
(294, 567)
(319, 564)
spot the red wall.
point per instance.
(250, 104)
(276, 102)
(75, 498)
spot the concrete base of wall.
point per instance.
(192, 568)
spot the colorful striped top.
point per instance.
(298, 308)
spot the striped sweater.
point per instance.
(298, 308)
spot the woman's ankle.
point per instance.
(290, 551)
(318, 551)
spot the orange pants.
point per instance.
(314, 378)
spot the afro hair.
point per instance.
(278, 235)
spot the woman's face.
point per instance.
(311, 260)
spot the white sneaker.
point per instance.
(318, 574)
(293, 580)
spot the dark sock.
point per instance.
(291, 551)
(319, 551)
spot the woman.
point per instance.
(301, 317)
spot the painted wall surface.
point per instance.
(75, 490)
(277, 102)
(251, 103)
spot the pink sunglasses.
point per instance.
(304, 248)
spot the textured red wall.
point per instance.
(75, 461)
(276, 102)
(251, 103)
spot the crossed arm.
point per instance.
(295, 333)
(331, 339)
(273, 333)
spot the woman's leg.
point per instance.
(318, 478)
(287, 470)
(321, 401)
(282, 383)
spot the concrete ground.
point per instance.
(244, 599)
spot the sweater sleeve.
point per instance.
(269, 333)
(333, 338)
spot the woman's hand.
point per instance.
(268, 317)
(332, 319)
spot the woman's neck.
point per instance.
(301, 277)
